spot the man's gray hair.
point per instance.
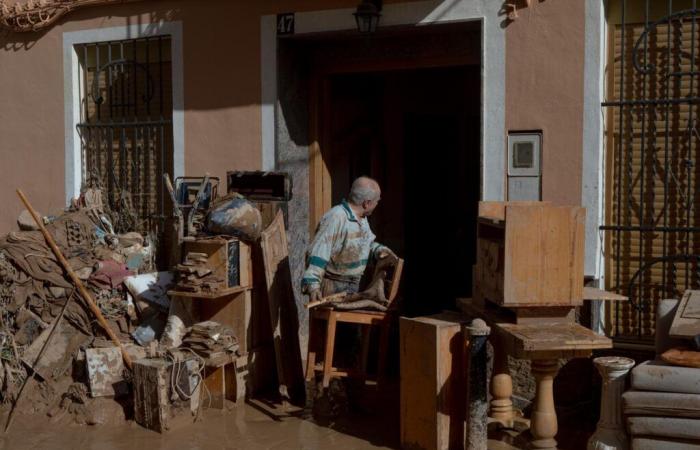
(363, 189)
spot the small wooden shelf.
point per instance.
(210, 296)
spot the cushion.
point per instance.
(662, 377)
(669, 427)
(663, 404)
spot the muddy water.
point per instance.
(240, 428)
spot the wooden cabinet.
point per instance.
(228, 258)
(529, 254)
(433, 391)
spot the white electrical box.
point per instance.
(524, 168)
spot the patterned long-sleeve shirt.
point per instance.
(342, 246)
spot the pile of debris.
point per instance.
(52, 350)
(35, 293)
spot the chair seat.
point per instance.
(665, 404)
(659, 376)
(665, 427)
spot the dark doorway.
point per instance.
(418, 133)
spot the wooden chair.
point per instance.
(366, 319)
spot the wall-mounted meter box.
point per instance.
(524, 168)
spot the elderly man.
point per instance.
(344, 243)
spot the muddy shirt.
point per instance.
(341, 248)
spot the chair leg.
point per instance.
(313, 346)
(366, 334)
(328, 354)
(384, 329)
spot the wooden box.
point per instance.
(433, 396)
(229, 259)
(153, 407)
(529, 254)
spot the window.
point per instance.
(125, 128)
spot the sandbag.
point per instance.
(235, 216)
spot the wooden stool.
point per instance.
(366, 319)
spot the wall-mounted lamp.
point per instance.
(367, 15)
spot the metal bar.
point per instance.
(148, 82)
(643, 160)
(111, 93)
(122, 158)
(619, 164)
(664, 269)
(160, 76)
(653, 102)
(691, 137)
(97, 74)
(110, 167)
(121, 69)
(86, 98)
(136, 81)
(126, 124)
(648, 228)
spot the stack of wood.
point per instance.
(195, 275)
(211, 340)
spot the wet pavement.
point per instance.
(243, 427)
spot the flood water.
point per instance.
(243, 427)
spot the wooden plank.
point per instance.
(534, 257)
(209, 296)
(432, 382)
(283, 310)
(497, 210)
(523, 255)
(552, 337)
(591, 293)
(686, 323)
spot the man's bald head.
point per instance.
(364, 189)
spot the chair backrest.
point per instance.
(392, 280)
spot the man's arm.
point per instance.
(320, 253)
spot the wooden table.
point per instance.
(543, 344)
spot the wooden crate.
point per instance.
(433, 396)
(153, 408)
(529, 254)
(229, 259)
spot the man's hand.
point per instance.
(315, 295)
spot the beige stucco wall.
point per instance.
(544, 89)
(221, 50)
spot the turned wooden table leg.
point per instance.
(543, 422)
(501, 389)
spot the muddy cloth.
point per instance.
(341, 248)
(235, 216)
(28, 251)
(109, 274)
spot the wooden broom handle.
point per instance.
(78, 284)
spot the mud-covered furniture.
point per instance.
(323, 323)
(662, 407)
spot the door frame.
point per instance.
(420, 13)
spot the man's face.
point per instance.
(369, 205)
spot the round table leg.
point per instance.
(610, 434)
(543, 422)
(501, 389)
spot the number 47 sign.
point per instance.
(285, 24)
